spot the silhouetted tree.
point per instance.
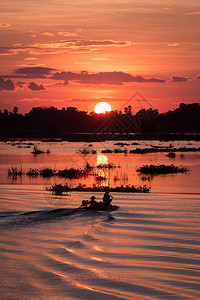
(53, 122)
(15, 110)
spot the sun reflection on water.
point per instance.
(102, 159)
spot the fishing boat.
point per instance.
(162, 147)
(100, 206)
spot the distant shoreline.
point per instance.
(101, 137)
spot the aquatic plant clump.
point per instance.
(33, 172)
(161, 169)
(155, 150)
(60, 189)
(66, 173)
(107, 151)
(86, 151)
(120, 150)
(73, 173)
(171, 155)
(47, 173)
(38, 151)
(107, 166)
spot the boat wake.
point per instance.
(8, 220)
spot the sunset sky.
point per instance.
(78, 53)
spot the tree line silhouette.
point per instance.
(53, 122)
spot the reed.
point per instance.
(86, 151)
(33, 172)
(38, 151)
(15, 172)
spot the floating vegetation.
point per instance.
(88, 166)
(71, 173)
(146, 178)
(47, 173)
(161, 169)
(38, 151)
(171, 155)
(120, 150)
(107, 166)
(107, 151)
(135, 143)
(14, 172)
(121, 144)
(33, 172)
(59, 188)
(86, 151)
(153, 150)
(99, 178)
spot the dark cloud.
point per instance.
(66, 76)
(6, 85)
(33, 72)
(198, 77)
(115, 78)
(178, 79)
(20, 83)
(35, 87)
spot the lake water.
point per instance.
(147, 249)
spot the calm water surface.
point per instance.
(148, 249)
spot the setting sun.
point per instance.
(102, 107)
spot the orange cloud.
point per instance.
(173, 44)
(31, 58)
(192, 13)
(63, 46)
(47, 34)
(3, 25)
(67, 34)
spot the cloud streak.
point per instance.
(110, 78)
(192, 13)
(62, 46)
(178, 79)
(4, 25)
(33, 72)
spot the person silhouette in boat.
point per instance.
(92, 203)
(107, 199)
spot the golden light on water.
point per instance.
(102, 159)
